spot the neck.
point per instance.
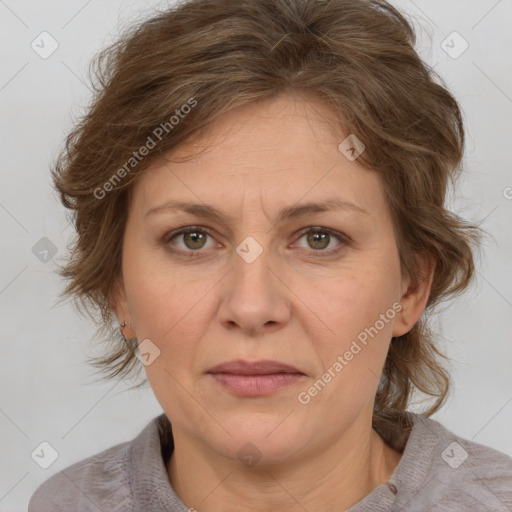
(332, 479)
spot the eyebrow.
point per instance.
(206, 211)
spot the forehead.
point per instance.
(278, 152)
(285, 126)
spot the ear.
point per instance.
(121, 308)
(415, 296)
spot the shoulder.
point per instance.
(103, 481)
(99, 482)
(462, 473)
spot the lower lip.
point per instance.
(256, 385)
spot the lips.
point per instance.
(255, 379)
(262, 367)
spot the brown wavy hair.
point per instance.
(358, 58)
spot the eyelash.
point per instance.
(344, 240)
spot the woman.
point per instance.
(259, 190)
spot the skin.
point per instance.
(290, 304)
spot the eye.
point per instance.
(193, 237)
(319, 238)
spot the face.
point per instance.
(318, 290)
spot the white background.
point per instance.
(47, 393)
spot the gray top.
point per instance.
(438, 472)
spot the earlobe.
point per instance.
(120, 304)
(415, 298)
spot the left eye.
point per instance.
(317, 238)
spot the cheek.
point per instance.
(168, 316)
(167, 309)
(358, 309)
(354, 301)
(172, 308)
(159, 294)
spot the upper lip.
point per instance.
(262, 367)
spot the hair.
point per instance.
(355, 56)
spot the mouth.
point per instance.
(257, 378)
(256, 385)
(262, 367)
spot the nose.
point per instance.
(254, 296)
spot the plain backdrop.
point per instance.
(47, 392)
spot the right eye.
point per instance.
(193, 237)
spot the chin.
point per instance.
(260, 439)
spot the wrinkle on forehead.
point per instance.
(323, 126)
(250, 165)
